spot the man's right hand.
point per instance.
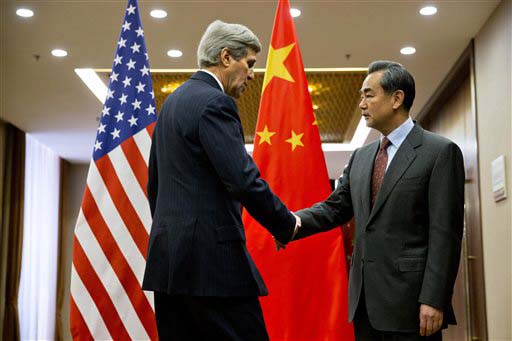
(298, 224)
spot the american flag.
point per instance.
(112, 229)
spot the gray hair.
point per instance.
(236, 38)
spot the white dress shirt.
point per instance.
(396, 137)
(215, 77)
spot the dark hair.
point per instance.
(395, 77)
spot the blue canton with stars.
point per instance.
(130, 103)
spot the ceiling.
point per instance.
(42, 94)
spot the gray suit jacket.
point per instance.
(407, 247)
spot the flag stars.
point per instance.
(265, 135)
(144, 71)
(150, 109)
(122, 42)
(110, 93)
(133, 121)
(123, 98)
(115, 133)
(113, 77)
(126, 26)
(136, 104)
(101, 128)
(131, 64)
(119, 116)
(140, 87)
(275, 65)
(295, 140)
(126, 99)
(105, 111)
(97, 145)
(127, 81)
(118, 60)
(131, 9)
(135, 47)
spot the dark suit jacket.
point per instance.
(199, 177)
(407, 248)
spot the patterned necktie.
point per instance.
(379, 168)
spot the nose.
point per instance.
(362, 104)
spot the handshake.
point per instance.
(298, 225)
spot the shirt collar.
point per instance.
(397, 136)
(214, 77)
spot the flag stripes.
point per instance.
(99, 294)
(137, 164)
(143, 141)
(133, 189)
(110, 247)
(107, 260)
(85, 304)
(101, 207)
(122, 204)
(116, 281)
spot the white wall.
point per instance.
(493, 92)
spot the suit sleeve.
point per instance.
(152, 186)
(334, 211)
(220, 133)
(446, 216)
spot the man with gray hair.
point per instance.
(206, 284)
(406, 192)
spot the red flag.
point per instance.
(307, 282)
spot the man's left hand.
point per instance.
(431, 320)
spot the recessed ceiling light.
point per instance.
(408, 50)
(174, 53)
(24, 12)
(428, 10)
(59, 53)
(295, 12)
(158, 13)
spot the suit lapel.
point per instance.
(403, 158)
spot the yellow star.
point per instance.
(315, 122)
(275, 65)
(265, 135)
(295, 140)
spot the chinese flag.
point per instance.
(307, 282)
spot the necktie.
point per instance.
(379, 168)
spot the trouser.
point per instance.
(364, 330)
(181, 317)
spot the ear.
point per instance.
(225, 57)
(398, 99)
